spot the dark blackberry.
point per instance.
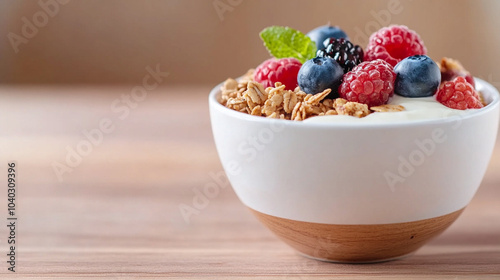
(343, 51)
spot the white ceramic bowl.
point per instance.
(356, 192)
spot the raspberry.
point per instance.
(274, 70)
(459, 94)
(371, 83)
(393, 44)
(343, 51)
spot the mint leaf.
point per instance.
(283, 42)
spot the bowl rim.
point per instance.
(489, 91)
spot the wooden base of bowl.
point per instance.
(356, 243)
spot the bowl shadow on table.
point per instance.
(453, 262)
(485, 262)
(453, 254)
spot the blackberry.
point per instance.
(343, 51)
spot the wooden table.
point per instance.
(116, 215)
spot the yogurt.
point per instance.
(416, 109)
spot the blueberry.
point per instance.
(417, 76)
(320, 73)
(321, 33)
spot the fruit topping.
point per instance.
(371, 83)
(393, 44)
(417, 76)
(321, 33)
(320, 73)
(274, 70)
(343, 51)
(459, 94)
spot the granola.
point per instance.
(353, 109)
(248, 96)
(388, 108)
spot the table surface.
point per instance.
(115, 212)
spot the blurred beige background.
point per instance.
(205, 41)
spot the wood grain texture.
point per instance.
(116, 215)
(356, 243)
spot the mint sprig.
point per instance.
(283, 42)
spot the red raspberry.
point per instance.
(459, 94)
(371, 83)
(393, 44)
(282, 70)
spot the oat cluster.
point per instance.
(248, 96)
